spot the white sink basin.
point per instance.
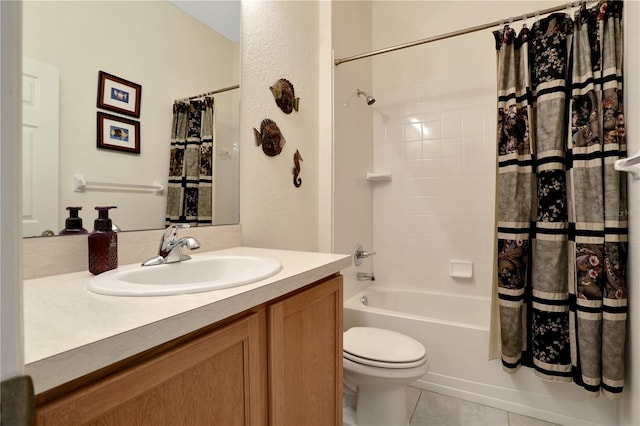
(190, 276)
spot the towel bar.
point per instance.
(80, 184)
(629, 165)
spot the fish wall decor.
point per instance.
(284, 95)
(297, 158)
(269, 137)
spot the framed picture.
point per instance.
(118, 133)
(119, 95)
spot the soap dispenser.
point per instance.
(103, 244)
(73, 224)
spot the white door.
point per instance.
(39, 148)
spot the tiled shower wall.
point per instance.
(439, 204)
(434, 130)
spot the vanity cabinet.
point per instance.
(279, 363)
(213, 379)
(305, 357)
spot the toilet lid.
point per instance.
(386, 346)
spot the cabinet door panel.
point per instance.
(212, 380)
(305, 357)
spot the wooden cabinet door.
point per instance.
(305, 357)
(215, 379)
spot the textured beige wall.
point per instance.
(280, 40)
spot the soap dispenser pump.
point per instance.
(73, 224)
(103, 243)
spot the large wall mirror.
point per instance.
(155, 44)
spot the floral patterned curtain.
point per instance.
(189, 192)
(562, 215)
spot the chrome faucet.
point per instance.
(171, 247)
(359, 253)
(365, 276)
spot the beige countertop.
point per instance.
(70, 331)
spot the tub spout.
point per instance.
(365, 276)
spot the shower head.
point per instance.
(370, 99)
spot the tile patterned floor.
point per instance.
(426, 408)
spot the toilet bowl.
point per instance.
(378, 364)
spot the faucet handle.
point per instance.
(364, 254)
(171, 247)
(171, 233)
(359, 254)
(172, 230)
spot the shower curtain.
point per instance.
(561, 206)
(189, 192)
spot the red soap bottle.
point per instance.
(103, 244)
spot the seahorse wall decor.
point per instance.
(297, 158)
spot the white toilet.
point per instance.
(378, 364)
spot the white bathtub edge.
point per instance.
(355, 303)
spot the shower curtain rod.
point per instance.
(460, 32)
(226, 89)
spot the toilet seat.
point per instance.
(382, 348)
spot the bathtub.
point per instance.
(454, 330)
(446, 309)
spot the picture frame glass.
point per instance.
(118, 133)
(118, 95)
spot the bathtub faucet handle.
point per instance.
(360, 253)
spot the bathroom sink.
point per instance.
(191, 276)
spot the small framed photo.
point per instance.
(118, 133)
(118, 95)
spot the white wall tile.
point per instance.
(431, 149)
(473, 123)
(432, 129)
(412, 131)
(439, 205)
(452, 127)
(451, 205)
(452, 166)
(431, 167)
(452, 147)
(413, 150)
(414, 169)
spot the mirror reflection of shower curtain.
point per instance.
(562, 214)
(189, 190)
